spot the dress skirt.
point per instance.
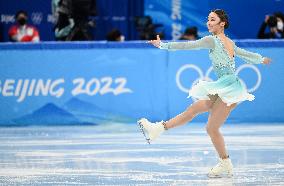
(228, 87)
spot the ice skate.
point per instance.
(223, 169)
(151, 130)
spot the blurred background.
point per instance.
(136, 20)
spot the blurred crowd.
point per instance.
(272, 27)
(73, 23)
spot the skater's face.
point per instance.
(214, 23)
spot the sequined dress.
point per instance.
(228, 86)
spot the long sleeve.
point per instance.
(249, 57)
(65, 30)
(206, 42)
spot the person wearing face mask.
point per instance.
(275, 25)
(280, 21)
(218, 97)
(22, 32)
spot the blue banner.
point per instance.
(92, 83)
(177, 15)
(81, 86)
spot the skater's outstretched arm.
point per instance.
(206, 42)
(251, 57)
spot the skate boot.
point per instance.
(223, 169)
(151, 130)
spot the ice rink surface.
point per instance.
(117, 154)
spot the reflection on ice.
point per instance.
(108, 155)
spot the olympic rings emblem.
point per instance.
(207, 78)
(37, 18)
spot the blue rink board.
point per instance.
(97, 82)
(117, 154)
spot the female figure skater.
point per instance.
(218, 97)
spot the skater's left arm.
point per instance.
(251, 57)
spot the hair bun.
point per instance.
(223, 16)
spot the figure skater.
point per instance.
(219, 97)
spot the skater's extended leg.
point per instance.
(192, 111)
(152, 130)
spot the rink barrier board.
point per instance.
(98, 82)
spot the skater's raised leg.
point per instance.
(192, 111)
(154, 130)
(218, 115)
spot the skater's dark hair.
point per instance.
(223, 16)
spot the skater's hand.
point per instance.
(156, 42)
(266, 61)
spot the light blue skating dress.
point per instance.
(227, 86)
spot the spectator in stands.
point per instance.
(190, 34)
(63, 23)
(115, 35)
(275, 25)
(22, 32)
(280, 21)
(73, 19)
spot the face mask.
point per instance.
(279, 25)
(22, 21)
(122, 38)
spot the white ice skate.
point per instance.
(150, 130)
(223, 169)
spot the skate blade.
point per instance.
(143, 132)
(220, 176)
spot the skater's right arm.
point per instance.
(206, 42)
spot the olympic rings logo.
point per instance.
(207, 74)
(37, 18)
